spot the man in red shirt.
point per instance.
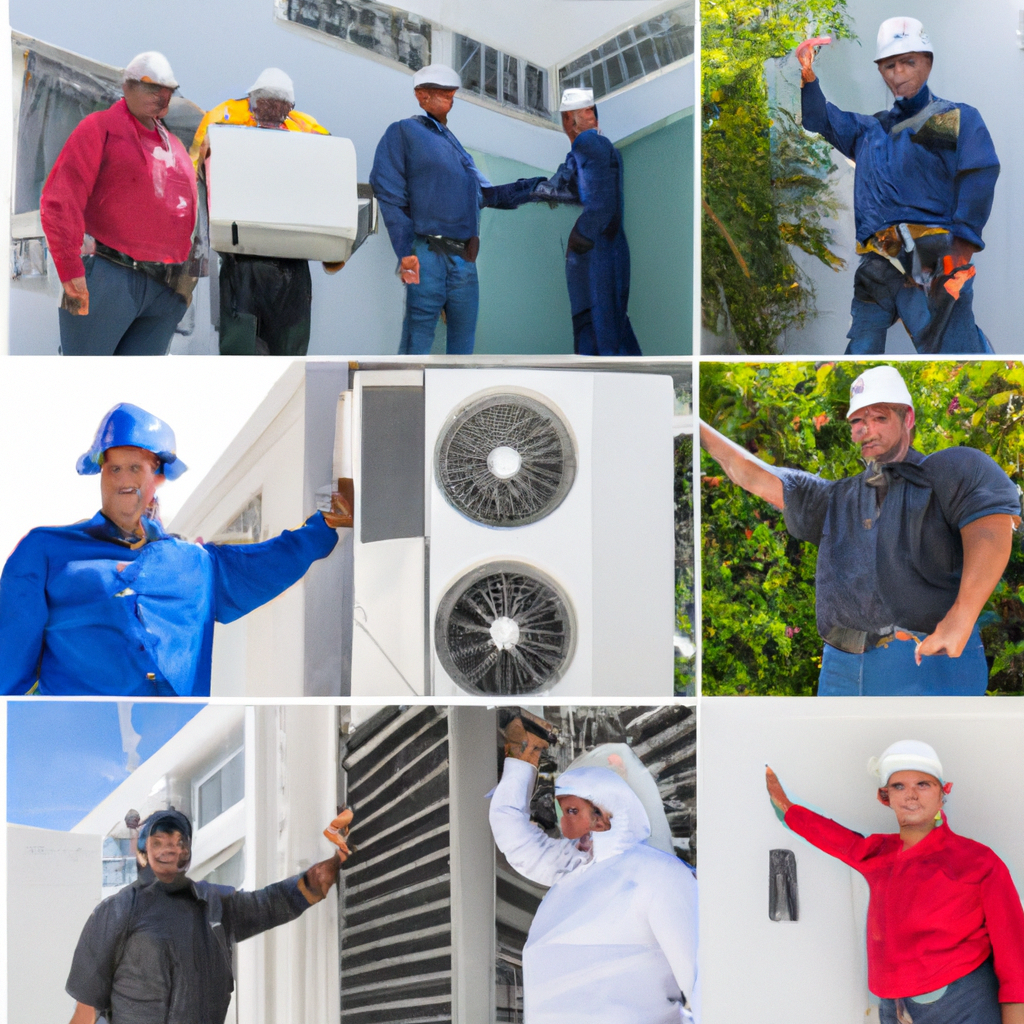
(126, 181)
(945, 930)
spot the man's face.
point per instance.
(270, 111)
(168, 854)
(435, 101)
(580, 816)
(882, 433)
(905, 73)
(129, 478)
(574, 122)
(914, 797)
(147, 100)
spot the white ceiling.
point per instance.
(545, 32)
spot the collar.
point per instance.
(908, 107)
(937, 836)
(102, 528)
(605, 845)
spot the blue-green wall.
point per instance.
(524, 305)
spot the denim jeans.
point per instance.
(893, 299)
(130, 314)
(448, 283)
(972, 999)
(890, 671)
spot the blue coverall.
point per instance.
(597, 254)
(926, 161)
(84, 612)
(427, 185)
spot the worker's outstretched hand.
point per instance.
(337, 520)
(776, 792)
(320, 877)
(337, 832)
(522, 744)
(76, 297)
(409, 270)
(805, 54)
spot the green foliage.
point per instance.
(685, 679)
(757, 581)
(765, 180)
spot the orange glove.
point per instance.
(409, 270)
(337, 832)
(805, 54)
(522, 744)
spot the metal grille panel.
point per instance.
(396, 937)
(505, 628)
(505, 460)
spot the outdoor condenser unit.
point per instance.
(285, 194)
(513, 532)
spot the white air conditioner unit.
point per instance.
(537, 555)
(284, 194)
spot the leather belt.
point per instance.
(165, 273)
(857, 641)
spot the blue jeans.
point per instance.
(972, 999)
(130, 314)
(448, 283)
(890, 671)
(882, 296)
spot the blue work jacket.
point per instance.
(925, 161)
(82, 611)
(426, 183)
(597, 257)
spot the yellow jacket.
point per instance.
(238, 112)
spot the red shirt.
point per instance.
(937, 910)
(130, 187)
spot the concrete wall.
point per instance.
(47, 871)
(977, 61)
(218, 51)
(814, 969)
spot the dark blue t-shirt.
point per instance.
(898, 565)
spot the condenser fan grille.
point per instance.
(505, 629)
(505, 460)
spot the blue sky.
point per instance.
(64, 757)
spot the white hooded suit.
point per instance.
(614, 941)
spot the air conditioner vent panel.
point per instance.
(505, 460)
(505, 628)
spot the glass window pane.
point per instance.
(510, 81)
(467, 62)
(490, 73)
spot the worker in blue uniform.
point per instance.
(115, 605)
(597, 254)
(428, 189)
(923, 190)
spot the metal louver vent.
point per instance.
(505, 460)
(505, 628)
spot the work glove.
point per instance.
(527, 744)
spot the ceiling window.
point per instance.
(634, 54)
(220, 790)
(500, 77)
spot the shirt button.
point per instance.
(151, 675)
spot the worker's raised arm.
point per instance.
(741, 467)
(987, 544)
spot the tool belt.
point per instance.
(856, 641)
(923, 253)
(174, 275)
(890, 241)
(465, 248)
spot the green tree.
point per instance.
(765, 180)
(757, 589)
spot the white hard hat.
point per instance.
(275, 84)
(901, 35)
(905, 756)
(576, 99)
(150, 67)
(439, 75)
(879, 384)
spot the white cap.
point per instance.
(879, 384)
(576, 99)
(150, 67)
(439, 75)
(905, 756)
(901, 35)
(274, 84)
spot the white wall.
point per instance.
(814, 970)
(54, 880)
(218, 49)
(977, 61)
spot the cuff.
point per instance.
(310, 896)
(69, 267)
(300, 895)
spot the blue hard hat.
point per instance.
(127, 425)
(170, 818)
